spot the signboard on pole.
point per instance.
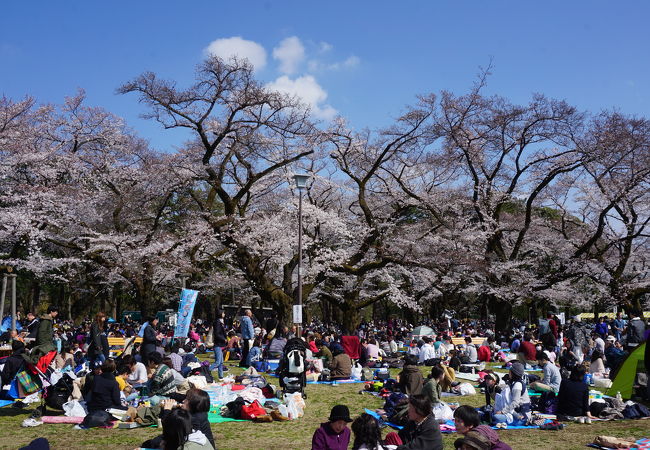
(297, 313)
(185, 311)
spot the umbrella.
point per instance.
(423, 330)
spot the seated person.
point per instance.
(178, 378)
(12, 365)
(573, 398)
(121, 376)
(527, 353)
(467, 420)
(178, 432)
(614, 354)
(64, 358)
(552, 377)
(255, 353)
(422, 430)
(162, 379)
(324, 352)
(277, 344)
(410, 380)
(105, 392)
(470, 354)
(454, 360)
(432, 388)
(597, 365)
(341, 365)
(334, 434)
(512, 406)
(197, 403)
(138, 375)
(367, 435)
(448, 378)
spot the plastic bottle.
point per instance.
(618, 396)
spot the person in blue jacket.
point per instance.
(247, 334)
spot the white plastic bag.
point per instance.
(442, 412)
(466, 389)
(295, 405)
(75, 408)
(357, 370)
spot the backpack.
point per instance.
(58, 394)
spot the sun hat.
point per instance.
(340, 412)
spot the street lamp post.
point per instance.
(301, 184)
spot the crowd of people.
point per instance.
(568, 354)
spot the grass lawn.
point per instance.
(297, 434)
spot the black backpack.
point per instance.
(58, 394)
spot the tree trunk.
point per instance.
(503, 312)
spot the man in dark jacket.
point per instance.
(148, 340)
(219, 338)
(44, 337)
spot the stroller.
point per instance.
(292, 368)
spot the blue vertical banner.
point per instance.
(185, 311)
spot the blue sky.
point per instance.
(362, 59)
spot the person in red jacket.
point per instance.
(527, 352)
(484, 353)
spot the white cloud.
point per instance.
(324, 47)
(226, 48)
(290, 52)
(318, 66)
(307, 89)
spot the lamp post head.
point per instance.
(301, 181)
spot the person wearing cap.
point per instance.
(512, 406)
(422, 431)
(335, 434)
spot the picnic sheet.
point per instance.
(378, 417)
(5, 402)
(215, 417)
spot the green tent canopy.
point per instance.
(624, 380)
(423, 330)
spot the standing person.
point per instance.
(635, 332)
(45, 337)
(219, 337)
(334, 434)
(96, 350)
(31, 323)
(247, 334)
(148, 340)
(601, 327)
(618, 325)
(422, 431)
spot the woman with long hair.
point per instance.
(96, 350)
(367, 435)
